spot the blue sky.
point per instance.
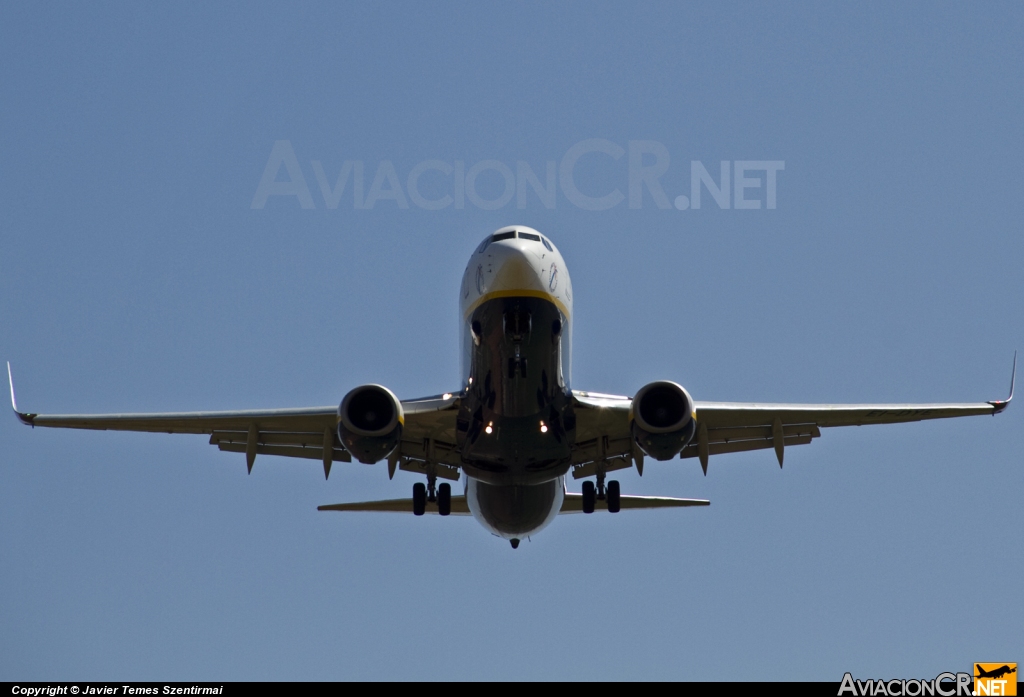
(135, 275)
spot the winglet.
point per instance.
(1001, 404)
(10, 381)
(24, 418)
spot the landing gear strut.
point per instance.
(421, 493)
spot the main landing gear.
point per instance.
(441, 495)
(444, 499)
(592, 494)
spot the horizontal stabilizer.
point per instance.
(573, 503)
(459, 506)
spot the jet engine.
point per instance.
(662, 419)
(370, 421)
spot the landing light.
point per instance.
(446, 395)
(543, 427)
(488, 429)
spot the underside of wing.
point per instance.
(429, 437)
(724, 427)
(739, 415)
(287, 432)
(309, 433)
(603, 439)
(605, 443)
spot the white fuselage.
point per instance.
(515, 267)
(516, 454)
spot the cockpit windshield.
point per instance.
(511, 235)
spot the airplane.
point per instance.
(514, 427)
(996, 673)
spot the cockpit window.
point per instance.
(529, 236)
(483, 245)
(503, 236)
(546, 244)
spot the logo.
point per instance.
(989, 679)
(943, 685)
(480, 284)
(553, 283)
(639, 173)
(995, 678)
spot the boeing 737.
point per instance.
(514, 429)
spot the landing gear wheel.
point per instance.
(613, 496)
(589, 496)
(419, 498)
(444, 499)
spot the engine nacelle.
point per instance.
(662, 419)
(370, 421)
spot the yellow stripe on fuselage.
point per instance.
(517, 293)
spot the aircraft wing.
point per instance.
(603, 437)
(603, 426)
(304, 433)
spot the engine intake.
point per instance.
(370, 421)
(662, 419)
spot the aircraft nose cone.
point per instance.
(517, 271)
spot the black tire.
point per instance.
(589, 496)
(444, 499)
(419, 498)
(613, 496)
